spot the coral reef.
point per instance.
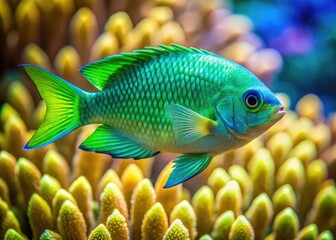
(279, 186)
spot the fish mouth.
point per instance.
(278, 113)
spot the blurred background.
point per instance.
(304, 33)
(290, 45)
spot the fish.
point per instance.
(166, 98)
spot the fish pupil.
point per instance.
(252, 99)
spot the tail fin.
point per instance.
(62, 99)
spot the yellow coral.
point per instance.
(67, 62)
(323, 211)
(29, 177)
(48, 188)
(39, 214)
(239, 174)
(186, 214)
(291, 172)
(279, 145)
(109, 176)
(310, 106)
(90, 165)
(100, 233)
(222, 225)
(260, 214)
(70, 222)
(229, 197)
(19, 98)
(142, 199)
(204, 206)
(130, 178)
(286, 224)
(168, 197)
(176, 231)
(241, 229)
(284, 197)
(119, 24)
(7, 173)
(83, 29)
(218, 179)
(305, 150)
(56, 166)
(261, 169)
(15, 136)
(308, 232)
(60, 197)
(112, 198)
(116, 224)
(7, 219)
(81, 190)
(13, 235)
(155, 223)
(4, 191)
(316, 173)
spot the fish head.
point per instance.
(249, 108)
(263, 110)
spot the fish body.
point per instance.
(161, 99)
(137, 102)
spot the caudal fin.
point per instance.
(62, 99)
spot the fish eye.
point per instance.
(252, 99)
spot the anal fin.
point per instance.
(187, 166)
(110, 141)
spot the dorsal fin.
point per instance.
(101, 72)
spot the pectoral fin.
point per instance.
(110, 141)
(187, 166)
(189, 125)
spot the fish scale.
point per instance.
(166, 98)
(145, 88)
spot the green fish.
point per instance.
(159, 99)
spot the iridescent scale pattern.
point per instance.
(135, 102)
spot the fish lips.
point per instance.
(277, 114)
